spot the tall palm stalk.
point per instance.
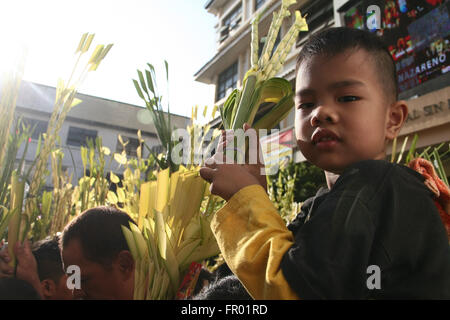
(260, 84)
(64, 101)
(161, 119)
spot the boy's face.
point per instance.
(341, 110)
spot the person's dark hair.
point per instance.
(99, 232)
(223, 271)
(48, 258)
(204, 276)
(333, 41)
(228, 288)
(17, 289)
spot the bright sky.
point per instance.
(180, 31)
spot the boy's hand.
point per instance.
(227, 179)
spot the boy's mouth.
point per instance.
(324, 137)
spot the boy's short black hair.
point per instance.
(223, 271)
(204, 276)
(333, 41)
(99, 232)
(228, 288)
(48, 258)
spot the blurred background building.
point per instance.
(93, 117)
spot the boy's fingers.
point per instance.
(18, 248)
(211, 163)
(207, 174)
(27, 246)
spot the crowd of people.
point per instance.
(94, 242)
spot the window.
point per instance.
(227, 79)
(319, 13)
(230, 22)
(77, 137)
(259, 3)
(40, 127)
(234, 18)
(275, 45)
(131, 146)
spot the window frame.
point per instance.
(87, 133)
(132, 142)
(231, 21)
(234, 15)
(229, 75)
(40, 125)
(259, 4)
(316, 19)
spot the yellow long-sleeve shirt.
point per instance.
(253, 239)
(376, 214)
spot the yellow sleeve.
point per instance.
(253, 240)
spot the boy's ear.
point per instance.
(125, 263)
(48, 288)
(397, 113)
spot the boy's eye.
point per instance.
(306, 105)
(348, 99)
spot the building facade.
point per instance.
(93, 117)
(417, 33)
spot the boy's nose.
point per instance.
(323, 114)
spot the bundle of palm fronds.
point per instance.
(172, 232)
(175, 209)
(203, 138)
(260, 84)
(161, 119)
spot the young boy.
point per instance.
(375, 233)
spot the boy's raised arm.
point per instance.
(251, 234)
(253, 240)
